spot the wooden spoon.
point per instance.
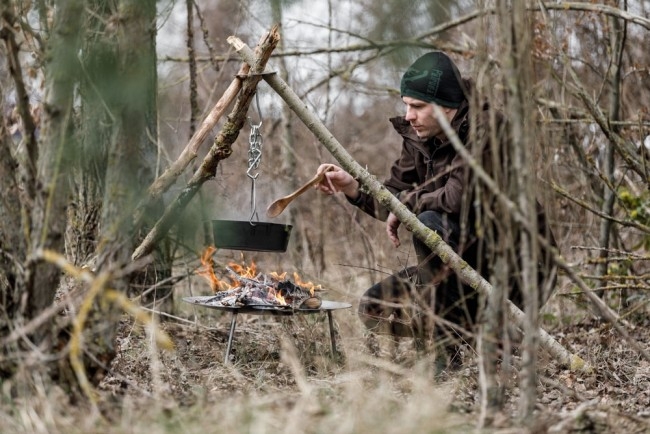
(276, 208)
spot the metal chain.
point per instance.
(254, 150)
(254, 158)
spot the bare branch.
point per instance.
(189, 153)
(583, 204)
(599, 304)
(599, 8)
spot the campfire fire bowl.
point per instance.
(325, 307)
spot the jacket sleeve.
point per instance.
(403, 178)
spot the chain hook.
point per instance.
(254, 158)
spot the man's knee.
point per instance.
(443, 224)
(432, 219)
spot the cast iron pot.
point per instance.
(256, 236)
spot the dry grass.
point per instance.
(283, 378)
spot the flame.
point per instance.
(207, 270)
(249, 272)
(273, 294)
(306, 285)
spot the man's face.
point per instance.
(420, 115)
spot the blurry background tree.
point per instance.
(96, 154)
(88, 121)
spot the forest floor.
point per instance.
(282, 377)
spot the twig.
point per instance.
(191, 54)
(599, 8)
(600, 305)
(98, 289)
(624, 148)
(253, 282)
(206, 37)
(586, 206)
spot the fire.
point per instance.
(278, 297)
(277, 276)
(248, 272)
(273, 287)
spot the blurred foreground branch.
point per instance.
(597, 302)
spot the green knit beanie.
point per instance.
(433, 78)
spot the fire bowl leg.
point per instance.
(332, 336)
(233, 323)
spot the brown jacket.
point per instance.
(428, 175)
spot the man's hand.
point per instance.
(392, 224)
(337, 179)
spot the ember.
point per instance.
(247, 287)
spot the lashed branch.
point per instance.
(466, 273)
(221, 149)
(169, 176)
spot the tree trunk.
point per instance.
(617, 42)
(55, 163)
(12, 244)
(119, 125)
(519, 185)
(33, 211)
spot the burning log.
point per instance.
(249, 288)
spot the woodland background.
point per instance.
(99, 97)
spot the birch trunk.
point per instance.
(55, 163)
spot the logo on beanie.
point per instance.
(434, 82)
(424, 82)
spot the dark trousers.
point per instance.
(413, 302)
